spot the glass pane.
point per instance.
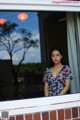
(21, 75)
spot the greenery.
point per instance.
(29, 67)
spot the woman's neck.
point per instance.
(58, 65)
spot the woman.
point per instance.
(57, 78)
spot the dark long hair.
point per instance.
(60, 51)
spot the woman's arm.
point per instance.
(46, 88)
(66, 88)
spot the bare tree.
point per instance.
(13, 40)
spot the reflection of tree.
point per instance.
(14, 40)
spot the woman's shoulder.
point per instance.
(47, 69)
(67, 67)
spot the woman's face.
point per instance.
(56, 56)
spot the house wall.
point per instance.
(62, 114)
(66, 107)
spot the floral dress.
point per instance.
(56, 84)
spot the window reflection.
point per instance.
(20, 56)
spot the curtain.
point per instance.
(73, 41)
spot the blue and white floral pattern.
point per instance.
(56, 84)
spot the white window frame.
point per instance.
(50, 5)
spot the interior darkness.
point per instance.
(6, 80)
(56, 32)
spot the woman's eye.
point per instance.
(57, 55)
